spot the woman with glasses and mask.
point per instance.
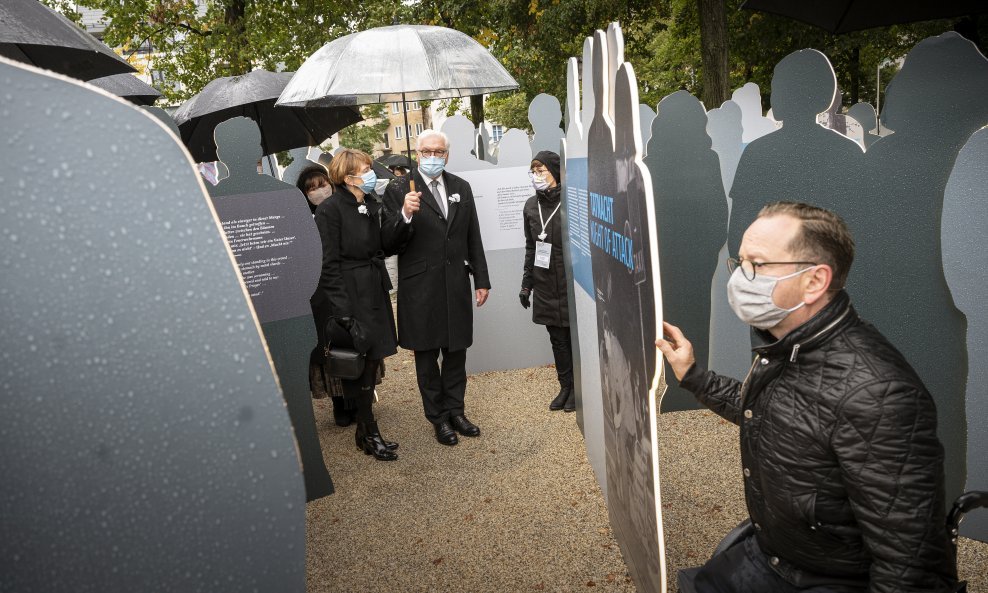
(543, 281)
(353, 288)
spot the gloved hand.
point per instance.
(523, 296)
(345, 322)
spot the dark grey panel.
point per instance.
(269, 228)
(965, 266)
(864, 114)
(625, 292)
(146, 444)
(898, 280)
(691, 224)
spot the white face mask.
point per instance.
(752, 302)
(382, 184)
(539, 183)
(318, 195)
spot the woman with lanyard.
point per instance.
(544, 273)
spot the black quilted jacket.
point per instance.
(842, 467)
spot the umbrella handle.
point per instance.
(411, 184)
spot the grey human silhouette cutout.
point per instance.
(964, 228)
(833, 119)
(864, 114)
(462, 139)
(802, 161)
(146, 444)
(645, 118)
(729, 336)
(299, 162)
(280, 267)
(898, 271)
(755, 124)
(162, 116)
(691, 223)
(514, 149)
(544, 114)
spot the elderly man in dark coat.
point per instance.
(441, 248)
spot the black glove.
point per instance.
(346, 322)
(523, 297)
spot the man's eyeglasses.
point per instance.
(748, 267)
(431, 153)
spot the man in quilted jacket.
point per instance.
(842, 468)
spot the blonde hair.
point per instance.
(347, 161)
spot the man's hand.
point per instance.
(523, 296)
(676, 349)
(482, 296)
(412, 203)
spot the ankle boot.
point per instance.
(362, 432)
(373, 444)
(560, 400)
(570, 405)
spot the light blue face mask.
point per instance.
(370, 181)
(432, 166)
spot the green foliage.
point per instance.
(365, 135)
(509, 110)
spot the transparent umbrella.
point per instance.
(397, 63)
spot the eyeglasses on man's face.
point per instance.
(749, 268)
(430, 153)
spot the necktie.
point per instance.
(434, 188)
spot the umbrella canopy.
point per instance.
(398, 63)
(844, 16)
(381, 171)
(128, 87)
(253, 95)
(30, 32)
(396, 160)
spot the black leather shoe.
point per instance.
(372, 444)
(559, 401)
(445, 434)
(361, 433)
(570, 405)
(464, 426)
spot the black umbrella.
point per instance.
(253, 95)
(129, 87)
(844, 16)
(396, 160)
(31, 32)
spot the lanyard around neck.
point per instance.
(545, 221)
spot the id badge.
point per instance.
(542, 253)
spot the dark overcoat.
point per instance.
(354, 281)
(435, 260)
(549, 285)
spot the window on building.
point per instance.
(418, 129)
(396, 107)
(497, 131)
(387, 140)
(412, 106)
(398, 133)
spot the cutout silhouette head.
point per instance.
(545, 104)
(942, 78)
(726, 121)
(803, 85)
(681, 112)
(238, 145)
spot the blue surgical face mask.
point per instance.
(370, 181)
(432, 166)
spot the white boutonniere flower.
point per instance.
(454, 199)
(362, 209)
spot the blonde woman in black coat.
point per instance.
(354, 286)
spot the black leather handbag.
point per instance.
(342, 359)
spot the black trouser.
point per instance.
(562, 352)
(363, 390)
(442, 389)
(744, 568)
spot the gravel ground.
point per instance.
(518, 508)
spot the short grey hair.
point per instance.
(430, 133)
